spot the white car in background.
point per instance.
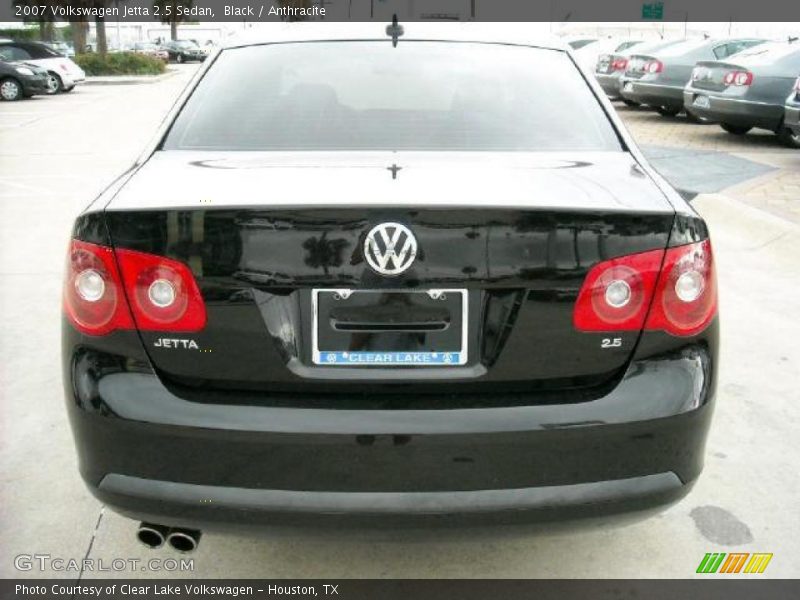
(587, 56)
(63, 74)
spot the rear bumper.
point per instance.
(187, 505)
(34, 85)
(610, 83)
(652, 94)
(154, 456)
(735, 111)
(792, 117)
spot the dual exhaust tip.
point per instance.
(153, 536)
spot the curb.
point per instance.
(129, 80)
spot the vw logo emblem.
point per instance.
(390, 248)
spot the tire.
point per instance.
(54, 84)
(735, 129)
(789, 138)
(666, 111)
(11, 90)
(630, 103)
(68, 89)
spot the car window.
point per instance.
(578, 44)
(40, 51)
(371, 96)
(725, 50)
(11, 53)
(626, 45)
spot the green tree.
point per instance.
(168, 13)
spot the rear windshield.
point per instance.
(371, 96)
(768, 53)
(684, 47)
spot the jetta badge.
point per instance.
(390, 248)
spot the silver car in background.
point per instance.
(610, 66)
(749, 90)
(658, 78)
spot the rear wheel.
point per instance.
(668, 111)
(735, 129)
(789, 137)
(54, 84)
(630, 102)
(10, 89)
(68, 89)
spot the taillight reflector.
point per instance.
(686, 297)
(596, 311)
(162, 292)
(147, 291)
(738, 78)
(673, 291)
(654, 66)
(93, 298)
(620, 64)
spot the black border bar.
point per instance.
(559, 11)
(728, 588)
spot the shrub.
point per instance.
(119, 63)
(29, 34)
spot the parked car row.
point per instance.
(30, 68)
(179, 51)
(740, 83)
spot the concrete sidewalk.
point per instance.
(130, 79)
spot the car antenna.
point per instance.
(395, 30)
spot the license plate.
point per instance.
(628, 87)
(701, 102)
(384, 328)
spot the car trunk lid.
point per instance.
(262, 232)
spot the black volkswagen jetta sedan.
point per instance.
(388, 280)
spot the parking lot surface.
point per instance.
(57, 152)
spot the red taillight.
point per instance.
(738, 78)
(686, 298)
(616, 293)
(679, 284)
(619, 64)
(163, 293)
(653, 66)
(93, 297)
(150, 292)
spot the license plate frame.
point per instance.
(388, 358)
(701, 101)
(627, 86)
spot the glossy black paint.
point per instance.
(552, 408)
(126, 421)
(256, 269)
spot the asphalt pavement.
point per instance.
(56, 153)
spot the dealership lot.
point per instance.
(57, 152)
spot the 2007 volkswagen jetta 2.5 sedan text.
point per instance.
(371, 278)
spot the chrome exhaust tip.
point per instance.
(184, 540)
(151, 535)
